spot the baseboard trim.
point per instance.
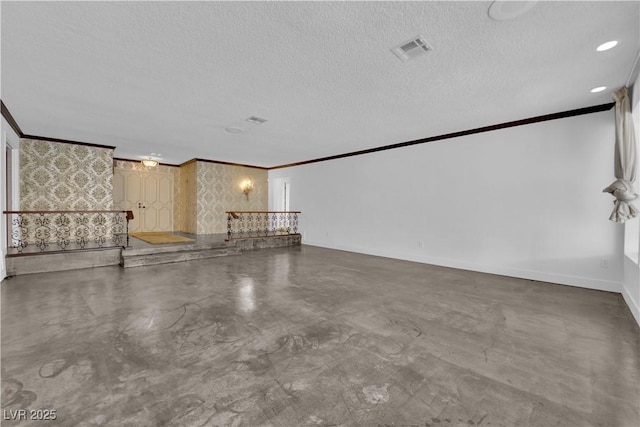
(633, 305)
(3, 266)
(560, 279)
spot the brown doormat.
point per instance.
(160, 237)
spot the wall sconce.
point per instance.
(149, 162)
(246, 186)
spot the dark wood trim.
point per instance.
(66, 141)
(224, 163)
(220, 162)
(14, 125)
(138, 161)
(188, 162)
(531, 120)
(60, 212)
(9, 118)
(561, 115)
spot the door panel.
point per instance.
(150, 194)
(164, 203)
(150, 189)
(165, 189)
(125, 196)
(165, 218)
(132, 187)
(151, 219)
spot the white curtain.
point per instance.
(625, 161)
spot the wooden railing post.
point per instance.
(129, 216)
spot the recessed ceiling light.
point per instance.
(607, 45)
(501, 10)
(257, 120)
(234, 130)
(598, 89)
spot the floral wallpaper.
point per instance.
(137, 166)
(218, 191)
(188, 198)
(57, 176)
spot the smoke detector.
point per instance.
(411, 48)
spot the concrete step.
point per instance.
(43, 262)
(178, 253)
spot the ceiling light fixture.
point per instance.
(502, 10)
(598, 89)
(257, 120)
(234, 130)
(149, 163)
(607, 46)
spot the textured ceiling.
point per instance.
(169, 77)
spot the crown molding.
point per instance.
(531, 120)
(9, 118)
(140, 160)
(555, 116)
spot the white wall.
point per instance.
(525, 202)
(631, 282)
(7, 135)
(3, 195)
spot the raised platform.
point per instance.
(164, 254)
(252, 243)
(140, 253)
(44, 262)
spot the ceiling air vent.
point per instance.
(411, 48)
(256, 120)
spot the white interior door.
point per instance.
(281, 196)
(157, 201)
(281, 201)
(149, 195)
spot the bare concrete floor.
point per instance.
(309, 336)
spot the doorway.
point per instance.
(11, 180)
(281, 194)
(149, 195)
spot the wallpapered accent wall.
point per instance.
(56, 176)
(218, 191)
(188, 200)
(175, 171)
